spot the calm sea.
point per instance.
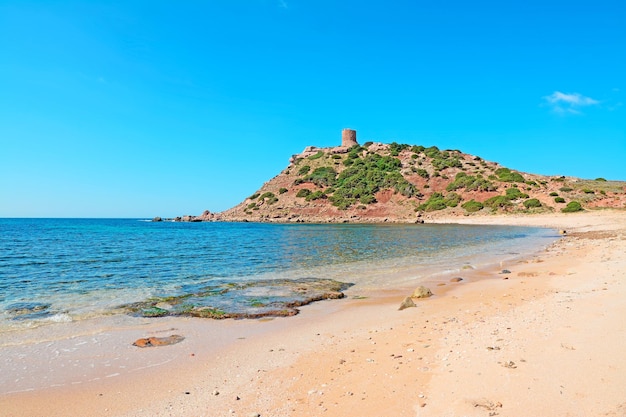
(55, 270)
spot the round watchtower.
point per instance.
(348, 138)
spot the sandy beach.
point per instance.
(544, 339)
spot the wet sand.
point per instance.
(545, 339)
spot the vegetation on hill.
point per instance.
(384, 180)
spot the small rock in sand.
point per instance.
(158, 341)
(457, 279)
(422, 292)
(406, 303)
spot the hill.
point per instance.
(377, 182)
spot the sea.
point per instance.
(65, 270)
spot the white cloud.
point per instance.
(564, 103)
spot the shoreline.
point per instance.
(363, 354)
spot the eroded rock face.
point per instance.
(254, 299)
(158, 341)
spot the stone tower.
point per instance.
(348, 138)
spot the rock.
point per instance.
(505, 271)
(563, 232)
(157, 219)
(406, 303)
(422, 292)
(158, 341)
(457, 279)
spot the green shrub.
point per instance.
(367, 144)
(318, 155)
(435, 202)
(303, 192)
(498, 201)
(282, 190)
(472, 206)
(432, 152)
(322, 177)
(559, 200)
(254, 196)
(532, 203)
(452, 200)
(364, 177)
(506, 175)
(417, 149)
(470, 183)
(601, 179)
(335, 156)
(304, 170)
(588, 191)
(367, 199)
(396, 148)
(554, 194)
(566, 189)
(572, 207)
(251, 205)
(515, 193)
(423, 173)
(268, 197)
(315, 195)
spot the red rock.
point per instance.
(158, 341)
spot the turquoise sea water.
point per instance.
(68, 269)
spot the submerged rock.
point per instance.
(253, 299)
(422, 292)
(28, 310)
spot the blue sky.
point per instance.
(138, 109)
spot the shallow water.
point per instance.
(57, 270)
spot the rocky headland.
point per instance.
(377, 182)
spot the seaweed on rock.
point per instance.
(252, 299)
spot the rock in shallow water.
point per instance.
(253, 299)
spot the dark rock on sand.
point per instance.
(457, 279)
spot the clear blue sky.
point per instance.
(144, 108)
